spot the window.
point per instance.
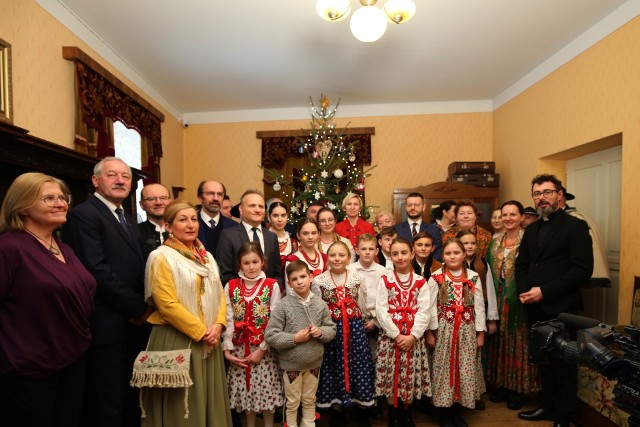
(127, 144)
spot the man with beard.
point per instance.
(154, 198)
(212, 222)
(414, 224)
(554, 261)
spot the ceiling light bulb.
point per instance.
(333, 10)
(399, 11)
(368, 23)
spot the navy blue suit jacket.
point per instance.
(404, 231)
(115, 260)
(229, 245)
(210, 237)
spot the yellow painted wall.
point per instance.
(408, 151)
(594, 96)
(43, 94)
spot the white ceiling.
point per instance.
(212, 58)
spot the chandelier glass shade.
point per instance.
(369, 22)
(333, 10)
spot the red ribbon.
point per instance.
(404, 321)
(342, 305)
(245, 331)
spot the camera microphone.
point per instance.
(579, 322)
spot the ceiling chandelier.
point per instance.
(368, 23)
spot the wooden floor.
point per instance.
(495, 415)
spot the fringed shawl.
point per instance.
(185, 273)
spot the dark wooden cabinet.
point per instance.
(21, 152)
(486, 199)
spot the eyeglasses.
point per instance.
(327, 221)
(545, 193)
(51, 200)
(154, 199)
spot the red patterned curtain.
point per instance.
(99, 102)
(276, 150)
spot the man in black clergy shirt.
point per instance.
(555, 259)
(107, 242)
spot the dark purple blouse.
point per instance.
(45, 307)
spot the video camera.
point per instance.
(576, 339)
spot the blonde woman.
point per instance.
(183, 282)
(353, 226)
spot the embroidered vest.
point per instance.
(250, 318)
(403, 303)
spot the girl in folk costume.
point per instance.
(308, 233)
(347, 373)
(475, 262)
(405, 310)
(253, 378)
(278, 215)
(461, 326)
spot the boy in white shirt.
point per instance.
(370, 272)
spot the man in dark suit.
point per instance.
(107, 242)
(252, 210)
(414, 224)
(210, 219)
(555, 259)
(154, 198)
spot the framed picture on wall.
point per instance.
(6, 105)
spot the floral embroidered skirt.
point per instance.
(265, 384)
(331, 387)
(413, 378)
(208, 401)
(468, 381)
(509, 360)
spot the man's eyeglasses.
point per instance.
(51, 200)
(154, 199)
(545, 193)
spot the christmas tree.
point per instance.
(333, 169)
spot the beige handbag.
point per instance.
(163, 369)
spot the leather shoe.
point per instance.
(500, 395)
(515, 401)
(538, 414)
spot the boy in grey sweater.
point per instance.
(298, 328)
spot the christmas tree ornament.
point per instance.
(301, 149)
(338, 173)
(305, 178)
(331, 206)
(277, 186)
(352, 157)
(324, 174)
(338, 190)
(314, 154)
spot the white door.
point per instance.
(595, 180)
